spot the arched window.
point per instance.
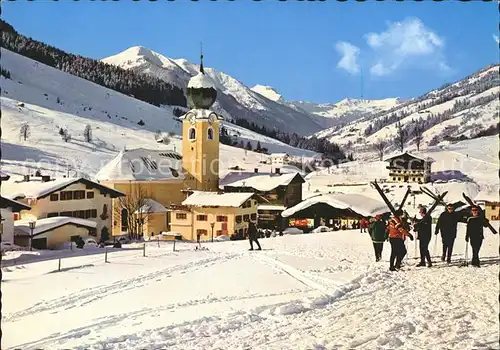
(192, 133)
(210, 134)
(124, 220)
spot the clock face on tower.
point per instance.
(211, 118)
(191, 118)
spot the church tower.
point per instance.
(200, 135)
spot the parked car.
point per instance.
(7, 246)
(292, 231)
(90, 242)
(321, 229)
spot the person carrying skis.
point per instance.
(423, 227)
(397, 235)
(447, 224)
(252, 235)
(378, 234)
(475, 233)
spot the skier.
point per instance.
(252, 235)
(364, 224)
(423, 228)
(378, 234)
(397, 235)
(198, 238)
(475, 233)
(447, 224)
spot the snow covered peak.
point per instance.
(268, 92)
(201, 81)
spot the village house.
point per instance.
(214, 214)
(279, 158)
(280, 190)
(59, 199)
(491, 204)
(406, 167)
(7, 209)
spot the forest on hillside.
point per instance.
(140, 86)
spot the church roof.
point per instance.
(201, 81)
(215, 199)
(142, 164)
(260, 182)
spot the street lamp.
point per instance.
(32, 225)
(212, 224)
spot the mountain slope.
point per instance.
(48, 99)
(457, 111)
(234, 99)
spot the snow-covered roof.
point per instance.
(260, 182)
(279, 155)
(151, 206)
(35, 188)
(396, 155)
(487, 196)
(358, 203)
(201, 81)
(213, 199)
(22, 227)
(270, 207)
(14, 205)
(4, 176)
(142, 164)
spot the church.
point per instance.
(169, 192)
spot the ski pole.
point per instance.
(435, 244)
(415, 254)
(467, 254)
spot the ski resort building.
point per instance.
(491, 204)
(406, 167)
(59, 199)
(7, 209)
(214, 214)
(333, 209)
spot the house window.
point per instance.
(94, 213)
(393, 179)
(210, 134)
(66, 213)
(219, 233)
(493, 207)
(246, 217)
(88, 213)
(74, 238)
(66, 195)
(181, 216)
(201, 232)
(52, 215)
(90, 195)
(238, 219)
(124, 226)
(79, 214)
(221, 218)
(54, 197)
(253, 217)
(192, 133)
(78, 194)
(201, 217)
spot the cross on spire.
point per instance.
(201, 58)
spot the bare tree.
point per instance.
(136, 208)
(25, 132)
(65, 135)
(380, 146)
(87, 133)
(418, 134)
(401, 137)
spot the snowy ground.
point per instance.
(316, 291)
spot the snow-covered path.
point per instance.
(320, 291)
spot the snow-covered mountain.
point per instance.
(454, 112)
(234, 99)
(347, 110)
(269, 92)
(47, 99)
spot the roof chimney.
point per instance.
(26, 178)
(256, 170)
(277, 171)
(45, 178)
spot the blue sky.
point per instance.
(318, 52)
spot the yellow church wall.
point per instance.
(200, 156)
(156, 223)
